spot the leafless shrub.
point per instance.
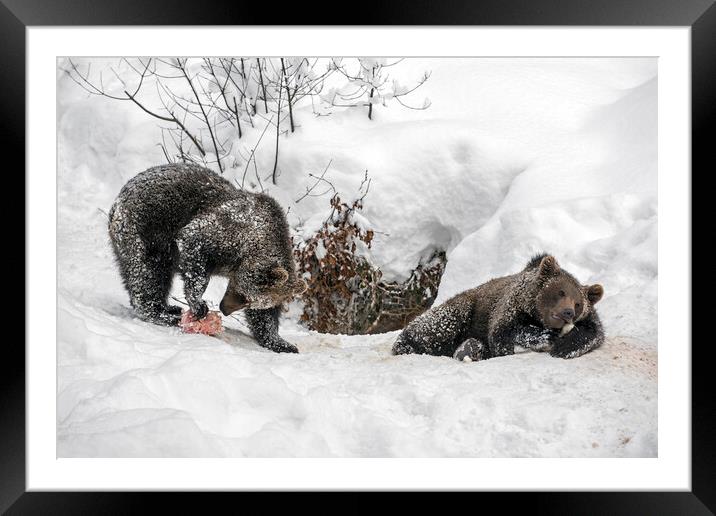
(205, 105)
(346, 293)
(369, 84)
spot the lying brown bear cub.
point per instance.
(543, 308)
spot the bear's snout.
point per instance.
(567, 314)
(232, 302)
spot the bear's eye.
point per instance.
(261, 279)
(578, 305)
(561, 293)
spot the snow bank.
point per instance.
(514, 156)
(593, 205)
(129, 389)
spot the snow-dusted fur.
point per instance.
(188, 219)
(489, 320)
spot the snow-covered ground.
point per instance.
(514, 156)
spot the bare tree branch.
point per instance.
(319, 179)
(278, 127)
(182, 67)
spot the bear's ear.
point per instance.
(594, 293)
(300, 287)
(548, 266)
(278, 275)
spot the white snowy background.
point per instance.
(514, 156)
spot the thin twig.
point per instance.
(182, 67)
(278, 132)
(319, 179)
(253, 151)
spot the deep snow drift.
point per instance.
(514, 156)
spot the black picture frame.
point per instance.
(700, 15)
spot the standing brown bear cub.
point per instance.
(543, 308)
(187, 219)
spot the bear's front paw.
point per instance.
(564, 347)
(281, 346)
(564, 352)
(288, 348)
(199, 309)
(574, 344)
(535, 338)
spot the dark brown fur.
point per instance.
(528, 308)
(187, 219)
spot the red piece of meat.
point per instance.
(209, 325)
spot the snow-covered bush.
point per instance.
(345, 291)
(216, 111)
(369, 84)
(340, 279)
(205, 105)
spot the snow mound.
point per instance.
(591, 204)
(159, 393)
